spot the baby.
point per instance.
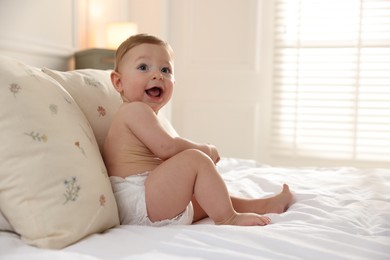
(159, 178)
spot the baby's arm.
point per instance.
(172, 132)
(143, 122)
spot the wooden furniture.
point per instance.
(95, 59)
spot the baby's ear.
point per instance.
(116, 81)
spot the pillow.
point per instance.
(4, 224)
(93, 91)
(54, 187)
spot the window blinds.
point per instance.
(331, 97)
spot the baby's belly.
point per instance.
(129, 169)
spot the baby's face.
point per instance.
(146, 73)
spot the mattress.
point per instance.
(338, 213)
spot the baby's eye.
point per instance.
(142, 67)
(166, 70)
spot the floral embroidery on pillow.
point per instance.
(53, 109)
(101, 111)
(71, 189)
(77, 144)
(14, 88)
(92, 82)
(37, 136)
(102, 200)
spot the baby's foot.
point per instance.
(280, 202)
(246, 219)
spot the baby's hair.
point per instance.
(136, 40)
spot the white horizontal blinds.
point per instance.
(331, 96)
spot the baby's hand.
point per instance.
(214, 155)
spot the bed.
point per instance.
(338, 213)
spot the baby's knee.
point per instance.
(196, 156)
(194, 153)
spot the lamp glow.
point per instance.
(118, 32)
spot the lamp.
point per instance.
(116, 33)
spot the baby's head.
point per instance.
(136, 40)
(144, 71)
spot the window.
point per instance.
(331, 97)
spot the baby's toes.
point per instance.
(266, 220)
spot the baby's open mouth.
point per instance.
(154, 92)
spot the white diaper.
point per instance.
(130, 197)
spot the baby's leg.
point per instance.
(275, 204)
(171, 186)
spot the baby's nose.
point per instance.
(157, 75)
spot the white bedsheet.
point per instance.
(339, 213)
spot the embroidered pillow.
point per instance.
(54, 188)
(93, 91)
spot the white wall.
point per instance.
(152, 16)
(34, 32)
(218, 50)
